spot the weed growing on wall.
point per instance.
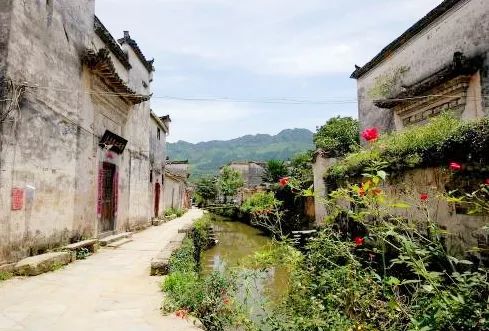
(444, 139)
(4, 275)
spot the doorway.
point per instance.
(157, 199)
(108, 198)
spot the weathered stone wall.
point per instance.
(465, 230)
(40, 142)
(49, 149)
(464, 29)
(174, 192)
(157, 156)
(5, 8)
(251, 173)
(319, 167)
(138, 128)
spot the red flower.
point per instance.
(182, 313)
(377, 191)
(487, 181)
(226, 301)
(424, 196)
(370, 134)
(454, 166)
(284, 181)
(361, 192)
(359, 241)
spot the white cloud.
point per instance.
(281, 47)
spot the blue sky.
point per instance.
(257, 50)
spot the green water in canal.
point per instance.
(237, 242)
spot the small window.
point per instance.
(158, 134)
(151, 176)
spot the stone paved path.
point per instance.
(111, 290)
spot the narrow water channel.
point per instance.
(237, 242)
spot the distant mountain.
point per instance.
(207, 157)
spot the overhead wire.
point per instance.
(324, 100)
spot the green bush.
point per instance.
(274, 170)
(442, 140)
(301, 170)
(260, 203)
(338, 136)
(175, 211)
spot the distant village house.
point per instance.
(177, 192)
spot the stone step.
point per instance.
(119, 243)
(116, 237)
(36, 265)
(90, 244)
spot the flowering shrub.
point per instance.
(370, 134)
(261, 203)
(454, 166)
(284, 181)
(368, 270)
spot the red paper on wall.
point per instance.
(17, 198)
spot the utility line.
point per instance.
(325, 100)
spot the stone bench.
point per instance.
(36, 265)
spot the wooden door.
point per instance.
(108, 198)
(157, 199)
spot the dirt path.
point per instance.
(111, 290)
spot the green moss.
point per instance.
(4, 275)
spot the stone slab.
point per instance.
(160, 264)
(36, 265)
(119, 243)
(157, 222)
(116, 237)
(91, 244)
(179, 237)
(186, 229)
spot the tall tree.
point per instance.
(229, 182)
(206, 189)
(339, 136)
